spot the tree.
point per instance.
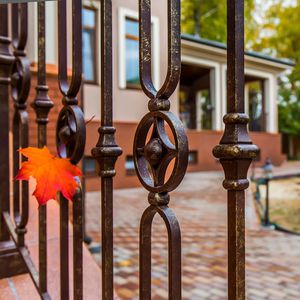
(280, 37)
(207, 18)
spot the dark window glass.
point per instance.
(89, 50)
(90, 166)
(256, 106)
(129, 165)
(193, 157)
(205, 109)
(195, 104)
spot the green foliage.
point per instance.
(289, 109)
(277, 33)
(208, 19)
(280, 37)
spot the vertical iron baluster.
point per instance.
(152, 156)
(70, 140)
(64, 248)
(235, 150)
(77, 244)
(6, 62)
(106, 151)
(20, 82)
(42, 105)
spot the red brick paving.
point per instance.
(273, 260)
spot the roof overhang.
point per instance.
(219, 51)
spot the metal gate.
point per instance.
(152, 152)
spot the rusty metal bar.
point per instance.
(236, 151)
(106, 151)
(20, 85)
(70, 141)
(6, 61)
(42, 106)
(64, 248)
(77, 245)
(153, 155)
(174, 248)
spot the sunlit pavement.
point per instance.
(273, 260)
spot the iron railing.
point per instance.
(70, 138)
(235, 151)
(153, 150)
(263, 207)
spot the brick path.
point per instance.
(273, 260)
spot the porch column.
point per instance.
(215, 92)
(271, 94)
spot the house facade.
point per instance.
(200, 99)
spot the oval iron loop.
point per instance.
(174, 50)
(174, 251)
(20, 135)
(19, 26)
(70, 90)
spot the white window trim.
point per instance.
(122, 14)
(97, 7)
(270, 90)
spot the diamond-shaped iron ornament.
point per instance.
(152, 156)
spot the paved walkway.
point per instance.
(273, 260)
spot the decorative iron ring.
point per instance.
(153, 155)
(20, 80)
(70, 133)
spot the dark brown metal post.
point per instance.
(70, 141)
(20, 85)
(106, 151)
(10, 259)
(152, 156)
(14, 70)
(42, 105)
(236, 151)
(6, 62)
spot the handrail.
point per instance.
(264, 211)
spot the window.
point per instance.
(193, 157)
(89, 44)
(196, 108)
(256, 106)
(89, 166)
(132, 53)
(129, 165)
(205, 109)
(129, 49)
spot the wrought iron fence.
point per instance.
(70, 138)
(153, 150)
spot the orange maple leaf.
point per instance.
(52, 174)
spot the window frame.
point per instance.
(95, 29)
(123, 14)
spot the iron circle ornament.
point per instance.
(20, 80)
(153, 155)
(70, 133)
